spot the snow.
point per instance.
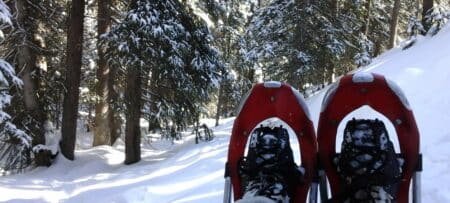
(397, 90)
(301, 101)
(329, 94)
(7, 72)
(186, 172)
(272, 84)
(5, 14)
(362, 77)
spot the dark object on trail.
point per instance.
(207, 133)
(44, 157)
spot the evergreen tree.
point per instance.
(379, 25)
(15, 144)
(302, 43)
(33, 45)
(22, 50)
(164, 42)
(394, 23)
(436, 18)
(228, 23)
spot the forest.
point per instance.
(103, 66)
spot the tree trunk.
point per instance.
(72, 83)
(102, 135)
(426, 6)
(58, 110)
(367, 20)
(330, 70)
(378, 48)
(26, 62)
(394, 23)
(219, 104)
(113, 98)
(334, 8)
(133, 114)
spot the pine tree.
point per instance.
(394, 23)
(303, 43)
(162, 40)
(228, 21)
(15, 144)
(379, 25)
(33, 46)
(436, 18)
(23, 52)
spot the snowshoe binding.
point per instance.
(269, 170)
(368, 165)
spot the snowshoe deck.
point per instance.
(384, 96)
(268, 100)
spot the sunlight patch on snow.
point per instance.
(179, 186)
(160, 189)
(163, 172)
(25, 194)
(195, 198)
(414, 71)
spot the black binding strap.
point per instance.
(227, 170)
(419, 163)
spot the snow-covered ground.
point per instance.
(185, 172)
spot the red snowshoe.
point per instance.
(269, 100)
(350, 93)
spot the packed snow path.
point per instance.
(194, 173)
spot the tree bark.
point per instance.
(334, 8)
(394, 23)
(133, 113)
(27, 62)
(102, 135)
(219, 104)
(113, 97)
(367, 20)
(426, 6)
(378, 48)
(72, 83)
